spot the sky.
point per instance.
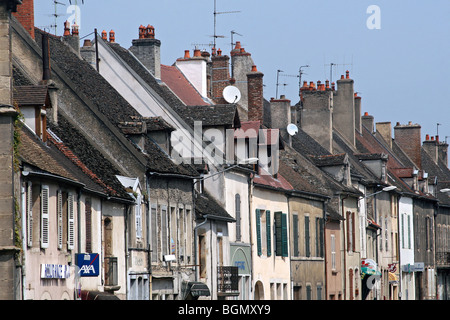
(397, 52)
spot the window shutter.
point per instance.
(88, 224)
(333, 252)
(269, 234)
(321, 238)
(29, 209)
(59, 214)
(238, 216)
(295, 233)
(284, 235)
(138, 217)
(258, 231)
(278, 240)
(44, 217)
(307, 245)
(70, 223)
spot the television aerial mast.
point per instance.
(215, 21)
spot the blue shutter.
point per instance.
(258, 231)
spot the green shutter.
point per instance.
(307, 246)
(278, 234)
(268, 234)
(284, 235)
(258, 231)
(295, 233)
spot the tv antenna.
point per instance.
(284, 75)
(336, 64)
(56, 15)
(215, 22)
(232, 33)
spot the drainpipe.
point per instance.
(345, 249)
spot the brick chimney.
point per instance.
(409, 139)
(25, 15)
(344, 109)
(255, 95)
(148, 50)
(316, 113)
(220, 76)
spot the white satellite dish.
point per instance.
(292, 129)
(231, 94)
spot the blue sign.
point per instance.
(88, 264)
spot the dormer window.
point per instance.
(33, 102)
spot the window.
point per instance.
(138, 216)
(29, 210)
(70, 222)
(88, 224)
(333, 251)
(319, 292)
(308, 292)
(237, 202)
(164, 231)
(45, 217)
(350, 231)
(263, 232)
(173, 231)
(154, 232)
(281, 239)
(181, 228)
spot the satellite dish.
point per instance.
(292, 129)
(231, 94)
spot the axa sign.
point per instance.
(88, 264)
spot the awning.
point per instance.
(197, 289)
(393, 279)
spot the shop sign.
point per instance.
(55, 271)
(88, 264)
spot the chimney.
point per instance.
(87, 52)
(431, 147)
(220, 76)
(241, 64)
(73, 40)
(344, 109)
(368, 122)
(112, 36)
(148, 50)
(316, 117)
(25, 15)
(280, 115)
(443, 152)
(358, 113)
(255, 95)
(385, 130)
(195, 70)
(408, 138)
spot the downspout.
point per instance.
(345, 249)
(325, 246)
(24, 240)
(250, 204)
(79, 219)
(149, 249)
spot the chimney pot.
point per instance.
(186, 54)
(342, 76)
(67, 28)
(112, 36)
(427, 137)
(219, 52)
(347, 75)
(104, 35)
(141, 32)
(75, 30)
(238, 45)
(87, 43)
(197, 53)
(432, 138)
(254, 69)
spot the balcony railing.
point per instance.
(228, 280)
(443, 259)
(111, 272)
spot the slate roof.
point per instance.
(210, 115)
(31, 95)
(108, 101)
(177, 82)
(205, 204)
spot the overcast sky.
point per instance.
(396, 51)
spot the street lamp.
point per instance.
(385, 189)
(445, 190)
